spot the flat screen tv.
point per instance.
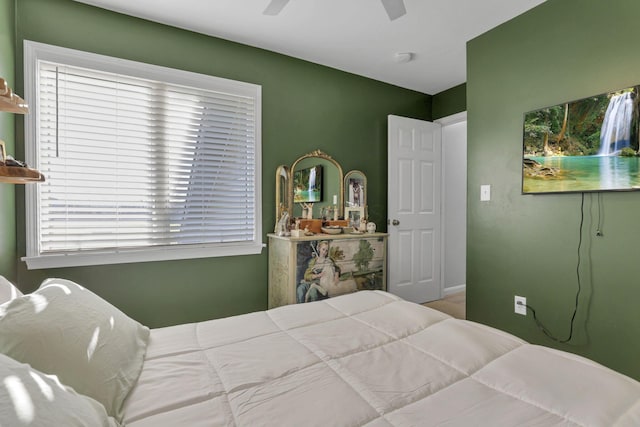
(581, 146)
(307, 185)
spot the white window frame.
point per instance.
(33, 52)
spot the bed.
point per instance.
(363, 359)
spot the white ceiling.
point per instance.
(350, 35)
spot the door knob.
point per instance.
(395, 222)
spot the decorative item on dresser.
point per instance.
(355, 216)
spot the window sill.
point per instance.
(124, 256)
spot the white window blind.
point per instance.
(135, 163)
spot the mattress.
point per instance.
(368, 359)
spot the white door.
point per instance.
(414, 209)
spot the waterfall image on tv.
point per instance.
(307, 185)
(585, 145)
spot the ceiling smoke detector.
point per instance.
(402, 57)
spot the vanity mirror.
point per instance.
(355, 189)
(355, 202)
(326, 186)
(314, 187)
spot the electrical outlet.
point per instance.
(520, 305)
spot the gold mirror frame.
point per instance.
(320, 155)
(282, 192)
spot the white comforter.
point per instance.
(368, 359)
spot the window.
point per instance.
(142, 162)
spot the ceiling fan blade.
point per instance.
(275, 7)
(395, 8)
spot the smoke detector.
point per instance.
(402, 57)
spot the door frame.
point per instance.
(444, 122)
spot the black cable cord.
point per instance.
(599, 228)
(575, 309)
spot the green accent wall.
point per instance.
(305, 107)
(7, 125)
(527, 245)
(450, 101)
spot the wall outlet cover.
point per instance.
(520, 305)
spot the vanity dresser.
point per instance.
(319, 248)
(360, 262)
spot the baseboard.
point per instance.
(454, 290)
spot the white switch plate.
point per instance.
(520, 308)
(485, 193)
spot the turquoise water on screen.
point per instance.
(586, 173)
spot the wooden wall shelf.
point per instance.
(11, 171)
(9, 101)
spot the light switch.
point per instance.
(485, 193)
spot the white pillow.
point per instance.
(8, 291)
(65, 330)
(29, 397)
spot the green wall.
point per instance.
(450, 101)
(305, 107)
(528, 245)
(7, 121)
